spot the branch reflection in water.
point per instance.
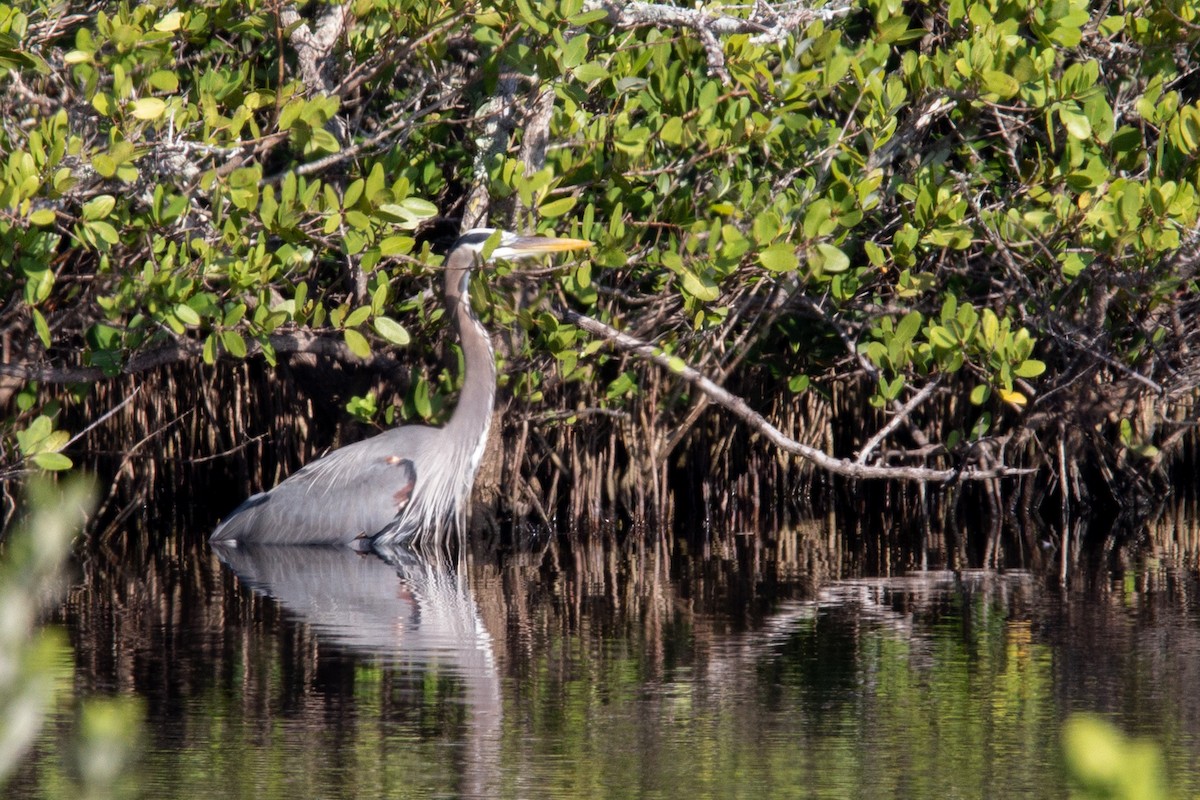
(412, 610)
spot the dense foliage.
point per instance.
(977, 218)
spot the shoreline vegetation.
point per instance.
(950, 245)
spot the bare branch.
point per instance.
(897, 419)
(314, 48)
(499, 118)
(100, 421)
(536, 135)
(738, 406)
(767, 22)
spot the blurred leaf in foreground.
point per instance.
(1103, 763)
(35, 664)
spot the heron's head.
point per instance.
(491, 244)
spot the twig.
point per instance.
(899, 417)
(229, 452)
(103, 417)
(559, 416)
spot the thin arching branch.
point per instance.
(735, 404)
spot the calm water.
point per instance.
(734, 668)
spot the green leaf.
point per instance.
(672, 131)
(700, 287)
(574, 51)
(52, 462)
(780, 257)
(99, 207)
(235, 345)
(1029, 369)
(832, 259)
(359, 220)
(102, 102)
(357, 343)
(940, 336)
(419, 208)
(587, 17)
(980, 394)
(556, 208)
(590, 71)
(990, 327)
(396, 245)
(42, 217)
(421, 399)
(187, 315)
(1000, 83)
(43, 330)
(1076, 123)
(391, 330)
(358, 316)
(104, 165)
(907, 329)
(325, 141)
(164, 80)
(375, 182)
(171, 21)
(148, 108)
(105, 231)
(353, 193)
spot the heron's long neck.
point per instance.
(469, 424)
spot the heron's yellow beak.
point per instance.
(536, 245)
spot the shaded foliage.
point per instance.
(947, 235)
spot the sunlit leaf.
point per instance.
(1030, 368)
(235, 345)
(42, 217)
(171, 21)
(53, 462)
(1012, 396)
(148, 108)
(780, 257)
(186, 314)
(556, 208)
(99, 207)
(357, 343)
(391, 330)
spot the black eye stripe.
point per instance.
(472, 239)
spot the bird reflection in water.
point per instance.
(418, 610)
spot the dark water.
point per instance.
(742, 667)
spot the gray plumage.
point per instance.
(409, 483)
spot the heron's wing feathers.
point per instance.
(353, 491)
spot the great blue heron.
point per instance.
(412, 481)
